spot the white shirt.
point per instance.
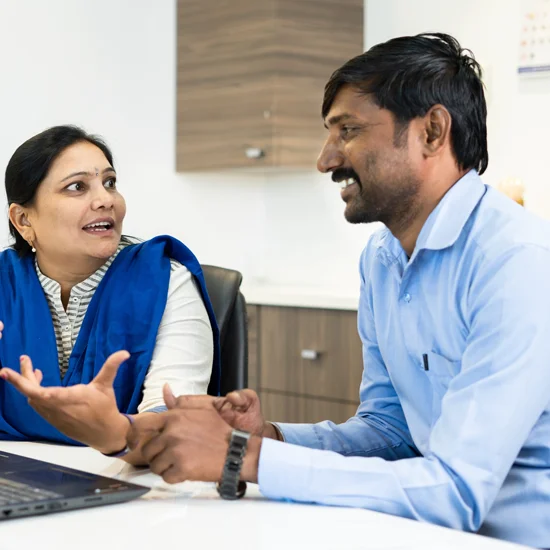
(184, 348)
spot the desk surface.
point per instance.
(190, 515)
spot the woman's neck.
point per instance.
(68, 275)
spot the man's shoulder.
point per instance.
(499, 226)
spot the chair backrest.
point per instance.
(230, 311)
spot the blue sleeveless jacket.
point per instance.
(124, 313)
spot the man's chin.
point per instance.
(353, 215)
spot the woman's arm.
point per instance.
(184, 349)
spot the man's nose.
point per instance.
(330, 157)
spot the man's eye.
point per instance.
(76, 186)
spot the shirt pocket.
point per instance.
(440, 373)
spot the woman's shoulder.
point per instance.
(175, 266)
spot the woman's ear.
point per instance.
(437, 130)
(19, 217)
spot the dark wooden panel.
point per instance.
(279, 407)
(253, 345)
(285, 332)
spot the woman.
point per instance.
(107, 319)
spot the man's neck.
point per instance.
(407, 232)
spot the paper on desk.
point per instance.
(159, 489)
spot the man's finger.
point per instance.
(218, 403)
(195, 402)
(174, 474)
(152, 450)
(169, 397)
(241, 398)
(106, 376)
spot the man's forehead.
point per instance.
(351, 103)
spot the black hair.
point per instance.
(31, 162)
(410, 74)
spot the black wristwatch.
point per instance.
(229, 486)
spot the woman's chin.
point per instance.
(105, 249)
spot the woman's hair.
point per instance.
(410, 74)
(31, 162)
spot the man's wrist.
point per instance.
(271, 431)
(251, 461)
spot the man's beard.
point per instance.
(393, 202)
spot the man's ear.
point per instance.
(437, 130)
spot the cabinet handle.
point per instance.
(309, 354)
(254, 153)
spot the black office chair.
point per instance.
(230, 311)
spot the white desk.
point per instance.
(191, 516)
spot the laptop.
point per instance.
(29, 487)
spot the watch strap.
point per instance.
(230, 487)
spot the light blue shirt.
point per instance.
(454, 425)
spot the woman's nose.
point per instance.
(102, 198)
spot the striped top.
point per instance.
(67, 323)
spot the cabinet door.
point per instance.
(312, 352)
(280, 407)
(225, 83)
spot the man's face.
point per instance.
(373, 158)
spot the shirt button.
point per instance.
(407, 297)
(75, 300)
(66, 328)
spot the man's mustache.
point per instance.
(341, 174)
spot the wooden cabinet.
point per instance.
(251, 75)
(306, 363)
(297, 408)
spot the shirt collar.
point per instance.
(446, 221)
(448, 218)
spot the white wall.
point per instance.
(109, 65)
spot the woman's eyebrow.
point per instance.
(90, 174)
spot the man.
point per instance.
(454, 316)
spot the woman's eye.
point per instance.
(110, 183)
(76, 186)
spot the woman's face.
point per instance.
(77, 211)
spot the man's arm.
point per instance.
(487, 414)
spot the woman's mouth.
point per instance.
(99, 227)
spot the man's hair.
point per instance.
(409, 75)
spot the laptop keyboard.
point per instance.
(12, 492)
